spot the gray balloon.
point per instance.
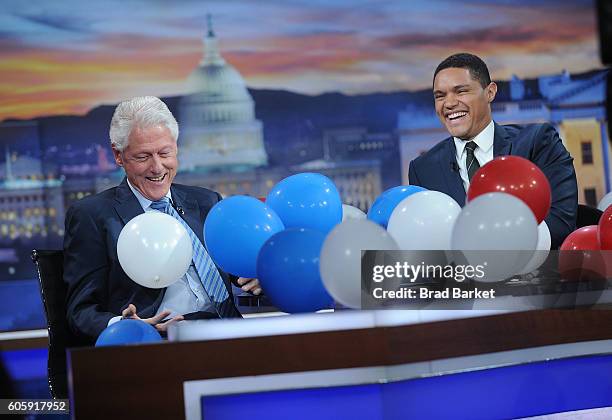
(492, 223)
(340, 260)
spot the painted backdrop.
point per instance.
(263, 89)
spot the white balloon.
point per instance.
(154, 249)
(350, 212)
(541, 252)
(605, 202)
(340, 258)
(424, 221)
(496, 222)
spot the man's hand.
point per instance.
(249, 285)
(130, 313)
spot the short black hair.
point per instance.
(477, 68)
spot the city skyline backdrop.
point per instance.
(68, 57)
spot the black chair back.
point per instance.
(49, 265)
(587, 216)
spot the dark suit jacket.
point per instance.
(540, 143)
(98, 288)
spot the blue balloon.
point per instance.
(236, 229)
(288, 269)
(307, 200)
(128, 331)
(383, 206)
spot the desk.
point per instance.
(147, 380)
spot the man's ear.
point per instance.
(491, 91)
(117, 155)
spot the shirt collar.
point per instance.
(484, 140)
(144, 202)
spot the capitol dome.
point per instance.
(219, 95)
(217, 82)
(218, 125)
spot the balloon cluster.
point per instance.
(508, 199)
(305, 245)
(322, 239)
(278, 241)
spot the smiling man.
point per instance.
(463, 92)
(149, 160)
(143, 136)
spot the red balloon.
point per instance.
(605, 229)
(516, 176)
(580, 257)
(583, 239)
(262, 199)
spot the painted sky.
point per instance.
(64, 57)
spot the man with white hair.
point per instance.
(143, 135)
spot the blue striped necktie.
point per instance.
(209, 275)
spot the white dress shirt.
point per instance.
(187, 294)
(483, 153)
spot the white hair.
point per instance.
(142, 112)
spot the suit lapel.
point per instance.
(502, 145)
(447, 161)
(126, 203)
(191, 211)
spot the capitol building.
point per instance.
(217, 117)
(221, 143)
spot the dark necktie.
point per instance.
(209, 276)
(471, 163)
